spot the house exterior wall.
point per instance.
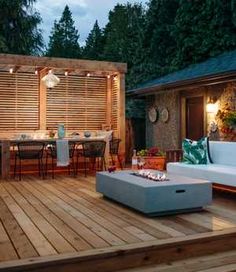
(226, 100)
(167, 135)
(160, 134)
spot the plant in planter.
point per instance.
(153, 158)
(228, 119)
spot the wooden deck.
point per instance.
(64, 225)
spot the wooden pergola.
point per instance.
(90, 94)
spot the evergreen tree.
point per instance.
(203, 29)
(94, 43)
(63, 41)
(123, 35)
(18, 28)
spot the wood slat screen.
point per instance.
(114, 102)
(19, 101)
(78, 102)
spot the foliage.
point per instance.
(150, 152)
(94, 43)
(228, 119)
(18, 28)
(203, 29)
(123, 35)
(64, 37)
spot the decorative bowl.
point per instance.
(87, 134)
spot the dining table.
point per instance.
(9, 144)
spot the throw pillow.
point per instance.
(195, 152)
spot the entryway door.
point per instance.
(194, 117)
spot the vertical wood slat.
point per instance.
(42, 101)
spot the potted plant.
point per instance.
(153, 158)
(228, 119)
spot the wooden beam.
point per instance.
(121, 113)
(129, 256)
(42, 101)
(62, 63)
(109, 101)
(5, 159)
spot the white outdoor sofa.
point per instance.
(222, 171)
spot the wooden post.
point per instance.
(121, 113)
(109, 101)
(42, 101)
(5, 161)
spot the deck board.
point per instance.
(44, 218)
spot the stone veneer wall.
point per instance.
(226, 99)
(164, 135)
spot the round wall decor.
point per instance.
(164, 115)
(153, 114)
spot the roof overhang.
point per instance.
(185, 84)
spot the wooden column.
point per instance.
(5, 159)
(42, 101)
(121, 113)
(109, 101)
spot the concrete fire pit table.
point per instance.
(178, 194)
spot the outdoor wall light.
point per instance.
(50, 80)
(11, 70)
(212, 106)
(66, 73)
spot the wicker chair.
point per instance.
(94, 151)
(51, 152)
(29, 150)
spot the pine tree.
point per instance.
(94, 43)
(123, 35)
(203, 29)
(18, 27)
(63, 41)
(159, 44)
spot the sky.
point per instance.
(84, 12)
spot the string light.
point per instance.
(88, 74)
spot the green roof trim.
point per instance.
(223, 63)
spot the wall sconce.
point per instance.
(50, 80)
(212, 106)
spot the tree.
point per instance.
(159, 46)
(203, 29)
(18, 28)
(123, 35)
(63, 41)
(94, 43)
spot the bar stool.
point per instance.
(29, 150)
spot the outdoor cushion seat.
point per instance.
(217, 173)
(221, 171)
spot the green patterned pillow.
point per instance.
(195, 152)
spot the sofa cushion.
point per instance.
(223, 152)
(217, 173)
(195, 152)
